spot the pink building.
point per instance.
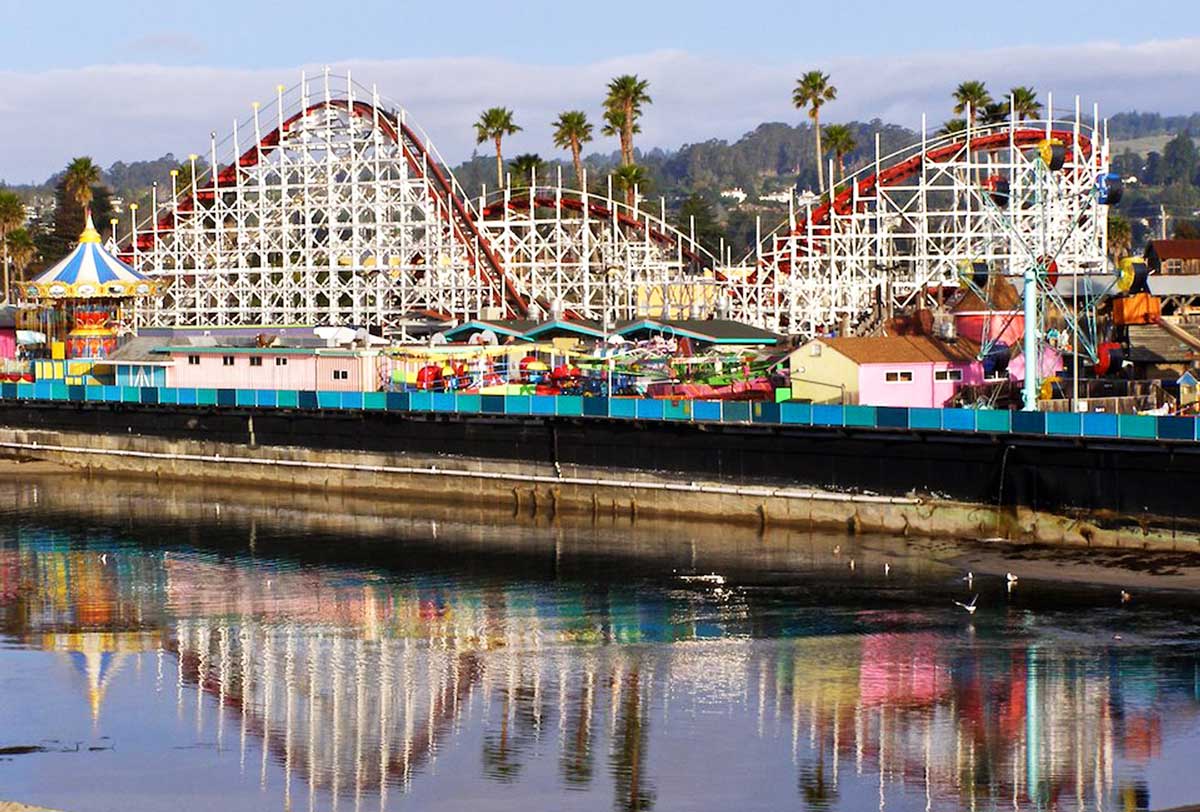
(301, 368)
(914, 371)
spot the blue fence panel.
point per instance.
(25, 391)
(924, 418)
(595, 407)
(735, 411)
(186, 396)
(997, 421)
(329, 400)
(307, 399)
(1064, 423)
(442, 401)
(764, 412)
(397, 401)
(266, 398)
(570, 405)
(859, 416)
(622, 407)
(1176, 428)
(1028, 423)
(1100, 424)
(650, 409)
(41, 390)
(795, 414)
(542, 404)
(8, 391)
(246, 397)
(824, 414)
(79, 393)
(1136, 426)
(492, 404)
(420, 401)
(148, 394)
(677, 409)
(467, 404)
(706, 410)
(354, 400)
(958, 419)
(112, 394)
(891, 417)
(517, 404)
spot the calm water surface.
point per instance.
(190, 652)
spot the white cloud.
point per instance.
(130, 112)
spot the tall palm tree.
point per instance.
(971, 96)
(1025, 103)
(12, 217)
(524, 166)
(626, 95)
(495, 123)
(1120, 237)
(630, 178)
(994, 113)
(839, 139)
(20, 249)
(571, 131)
(954, 125)
(81, 175)
(813, 91)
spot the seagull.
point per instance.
(852, 564)
(837, 550)
(104, 559)
(1012, 579)
(1125, 597)
(969, 578)
(970, 607)
(887, 569)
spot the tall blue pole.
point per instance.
(1032, 356)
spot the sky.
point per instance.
(133, 80)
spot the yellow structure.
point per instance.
(820, 374)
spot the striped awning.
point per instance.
(89, 272)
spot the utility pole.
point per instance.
(1162, 221)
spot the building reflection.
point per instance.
(354, 683)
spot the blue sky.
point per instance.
(157, 77)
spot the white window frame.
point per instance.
(899, 373)
(951, 375)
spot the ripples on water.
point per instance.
(208, 663)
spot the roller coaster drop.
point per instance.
(334, 208)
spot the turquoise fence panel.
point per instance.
(706, 410)
(924, 418)
(622, 407)
(374, 400)
(420, 401)
(735, 411)
(958, 419)
(765, 412)
(997, 421)
(287, 398)
(329, 400)
(1176, 428)
(129, 394)
(266, 398)
(353, 400)
(517, 404)
(650, 409)
(677, 409)
(58, 390)
(1100, 424)
(859, 416)
(570, 405)
(26, 391)
(206, 397)
(185, 396)
(246, 397)
(468, 404)
(541, 404)
(827, 415)
(795, 414)
(168, 394)
(1064, 423)
(1136, 426)
(442, 401)
(41, 390)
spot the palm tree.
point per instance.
(494, 124)
(971, 98)
(953, 126)
(571, 131)
(630, 178)
(813, 91)
(626, 95)
(12, 216)
(994, 113)
(1120, 237)
(20, 249)
(523, 168)
(81, 175)
(1025, 103)
(839, 139)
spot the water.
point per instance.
(171, 648)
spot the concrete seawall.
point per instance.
(550, 489)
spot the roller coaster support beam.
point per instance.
(1033, 360)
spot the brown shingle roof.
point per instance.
(1173, 249)
(903, 349)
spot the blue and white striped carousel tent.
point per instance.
(90, 272)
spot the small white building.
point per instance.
(736, 193)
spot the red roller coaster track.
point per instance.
(442, 194)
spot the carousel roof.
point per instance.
(90, 272)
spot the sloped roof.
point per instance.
(718, 331)
(515, 328)
(1173, 249)
(1150, 344)
(903, 349)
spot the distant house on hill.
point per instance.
(1173, 257)
(915, 371)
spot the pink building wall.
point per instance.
(303, 371)
(923, 391)
(8, 342)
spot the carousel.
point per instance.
(85, 299)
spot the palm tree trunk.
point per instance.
(627, 135)
(578, 164)
(499, 167)
(4, 260)
(820, 169)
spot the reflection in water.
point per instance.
(351, 686)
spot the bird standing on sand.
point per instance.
(1012, 579)
(970, 607)
(887, 569)
(1125, 597)
(851, 564)
(969, 578)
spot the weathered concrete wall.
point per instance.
(540, 488)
